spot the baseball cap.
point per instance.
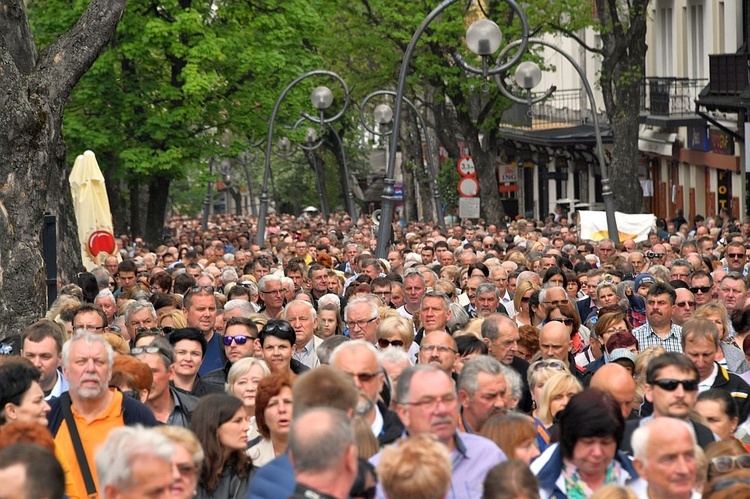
(644, 279)
(621, 353)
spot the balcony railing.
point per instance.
(563, 108)
(670, 96)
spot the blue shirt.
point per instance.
(471, 459)
(212, 360)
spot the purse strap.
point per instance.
(75, 437)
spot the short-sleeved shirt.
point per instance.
(93, 434)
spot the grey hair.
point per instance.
(412, 273)
(373, 307)
(244, 305)
(136, 307)
(309, 305)
(487, 287)
(459, 317)
(90, 339)
(105, 293)
(350, 345)
(327, 347)
(683, 263)
(228, 274)
(266, 279)
(639, 440)
(140, 295)
(329, 299)
(102, 277)
(125, 445)
(468, 380)
(242, 367)
(544, 291)
(438, 294)
(403, 387)
(393, 354)
(320, 438)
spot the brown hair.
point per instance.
(528, 338)
(509, 431)
(131, 372)
(269, 387)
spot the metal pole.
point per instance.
(386, 210)
(207, 199)
(609, 207)
(261, 232)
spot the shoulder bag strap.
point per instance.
(75, 437)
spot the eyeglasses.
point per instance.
(240, 339)
(525, 299)
(551, 364)
(150, 331)
(735, 256)
(670, 385)
(613, 330)
(364, 377)
(383, 343)
(439, 348)
(725, 464)
(566, 320)
(431, 403)
(683, 304)
(146, 349)
(198, 289)
(273, 292)
(186, 469)
(90, 328)
(556, 303)
(359, 324)
(702, 289)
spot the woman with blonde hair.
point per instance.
(538, 374)
(418, 468)
(242, 382)
(187, 459)
(521, 302)
(554, 397)
(730, 355)
(169, 321)
(395, 331)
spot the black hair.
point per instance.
(728, 404)
(189, 333)
(278, 328)
(591, 413)
(468, 343)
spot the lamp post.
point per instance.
(384, 117)
(386, 213)
(527, 76)
(322, 98)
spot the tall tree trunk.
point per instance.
(158, 194)
(34, 93)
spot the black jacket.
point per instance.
(737, 388)
(187, 403)
(393, 428)
(218, 377)
(522, 367)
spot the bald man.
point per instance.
(555, 343)
(438, 348)
(615, 380)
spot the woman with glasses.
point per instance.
(220, 424)
(566, 314)
(521, 303)
(612, 320)
(242, 382)
(273, 415)
(537, 376)
(395, 331)
(725, 456)
(187, 460)
(729, 354)
(169, 321)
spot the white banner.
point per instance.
(634, 227)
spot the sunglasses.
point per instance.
(151, 331)
(566, 320)
(383, 343)
(364, 377)
(735, 256)
(725, 464)
(670, 385)
(240, 339)
(525, 299)
(147, 349)
(278, 325)
(552, 364)
(198, 289)
(168, 330)
(683, 304)
(702, 289)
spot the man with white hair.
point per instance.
(272, 293)
(359, 359)
(304, 320)
(135, 463)
(664, 451)
(90, 405)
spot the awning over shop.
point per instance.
(655, 142)
(557, 137)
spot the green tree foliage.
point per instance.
(177, 76)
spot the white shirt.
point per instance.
(709, 382)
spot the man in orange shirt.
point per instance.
(95, 408)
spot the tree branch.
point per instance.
(16, 34)
(66, 59)
(571, 34)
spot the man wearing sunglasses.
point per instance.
(735, 258)
(672, 389)
(238, 341)
(701, 285)
(359, 359)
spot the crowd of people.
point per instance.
(480, 361)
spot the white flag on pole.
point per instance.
(629, 226)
